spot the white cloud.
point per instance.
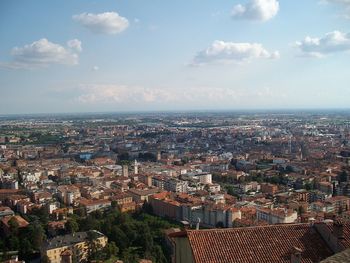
(104, 23)
(75, 44)
(95, 68)
(112, 93)
(42, 53)
(261, 10)
(131, 97)
(332, 42)
(221, 52)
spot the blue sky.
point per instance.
(90, 56)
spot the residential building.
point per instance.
(277, 215)
(72, 247)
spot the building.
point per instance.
(214, 188)
(276, 216)
(6, 224)
(210, 215)
(165, 206)
(125, 171)
(338, 204)
(204, 178)
(6, 211)
(146, 179)
(326, 187)
(91, 205)
(268, 188)
(176, 185)
(141, 195)
(68, 193)
(124, 202)
(158, 181)
(73, 247)
(290, 243)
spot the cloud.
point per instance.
(221, 52)
(260, 10)
(43, 53)
(123, 94)
(131, 97)
(75, 44)
(104, 23)
(332, 42)
(95, 68)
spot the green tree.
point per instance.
(72, 226)
(26, 248)
(111, 250)
(94, 247)
(36, 235)
(130, 255)
(13, 225)
(158, 254)
(119, 237)
(13, 242)
(45, 259)
(309, 186)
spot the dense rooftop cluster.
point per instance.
(204, 170)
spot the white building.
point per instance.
(175, 185)
(214, 188)
(276, 216)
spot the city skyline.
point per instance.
(111, 56)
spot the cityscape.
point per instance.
(174, 131)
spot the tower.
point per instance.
(136, 167)
(125, 171)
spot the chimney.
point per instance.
(312, 221)
(338, 229)
(186, 225)
(296, 255)
(198, 222)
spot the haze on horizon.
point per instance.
(98, 56)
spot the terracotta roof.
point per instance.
(346, 233)
(263, 244)
(20, 220)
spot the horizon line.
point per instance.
(238, 110)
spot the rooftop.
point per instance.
(263, 244)
(67, 240)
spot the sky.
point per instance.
(64, 56)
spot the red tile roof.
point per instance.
(20, 220)
(263, 244)
(346, 233)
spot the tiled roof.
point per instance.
(263, 244)
(20, 220)
(346, 234)
(67, 240)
